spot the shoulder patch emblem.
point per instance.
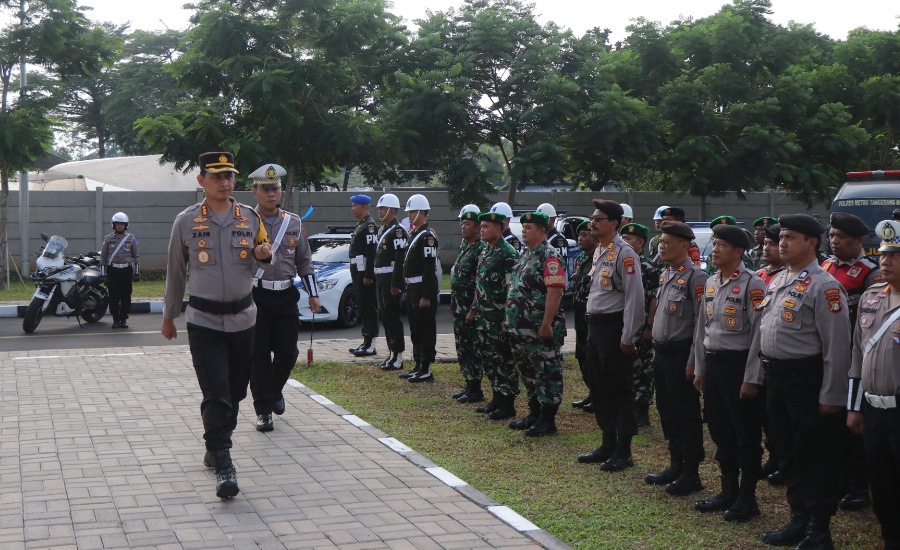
(698, 290)
(629, 265)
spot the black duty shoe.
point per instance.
(589, 408)
(643, 416)
(264, 423)
(209, 459)
(546, 422)
(617, 464)
(410, 374)
(394, 362)
(474, 395)
(722, 501)
(856, 499)
(424, 375)
(581, 404)
(818, 535)
(524, 423)
(687, 483)
(769, 468)
(744, 509)
(491, 406)
(790, 534)
(664, 477)
(506, 408)
(115, 324)
(596, 456)
(226, 476)
(776, 478)
(278, 407)
(461, 393)
(366, 351)
(123, 324)
(359, 347)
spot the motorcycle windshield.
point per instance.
(54, 248)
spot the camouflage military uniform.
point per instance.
(582, 287)
(643, 351)
(756, 258)
(539, 361)
(462, 292)
(495, 267)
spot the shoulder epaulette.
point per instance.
(869, 261)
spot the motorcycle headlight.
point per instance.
(326, 284)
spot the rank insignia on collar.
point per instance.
(681, 268)
(804, 274)
(872, 301)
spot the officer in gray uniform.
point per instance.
(120, 262)
(223, 243)
(390, 248)
(728, 372)
(277, 325)
(678, 305)
(874, 389)
(362, 271)
(805, 352)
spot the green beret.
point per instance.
(496, 217)
(635, 229)
(765, 220)
(727, 220)
(535, 217)
(678, 229)
(802, 223)
(470, 215)
(849, 224)
(732, 234)
(584, 226)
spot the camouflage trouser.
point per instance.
(643, 372)
(581, 333)
(496, 356)
(467, 349)
(540, 366)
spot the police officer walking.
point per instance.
(581, 288)
(389, 284)
(728, 372)
(462, 293)
(805, 352)
(223, 243)
(678, 304)
(120, 262)
(363, 243)
(615, 315)
(508, 235)
(875, 383)
(420, 270)
(277, 325)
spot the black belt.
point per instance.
(221, 308)
(603, 318)
(673, 345)
(783, 364)
(726, 355)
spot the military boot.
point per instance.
(506, 408)
(726, 497)
(818, 534)
(745, 507)
(790, 534)
(413, 372)
(463, 392)
(226, 476)
(603, 453)
(492, 405)
(546, 422)
(621, 458)
(534, 410)
(581, 404)
(855, 499)
(424, 374)
(670, 474)
(643, 415)
(688, 482)
(475, 394)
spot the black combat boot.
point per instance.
(855, 499)
(492, 405)
(670, 474)
(413, 372)
(226, 477)
(264, 423)
(726, 497)
(770, 467)
(475, 394)
(603, 453)
(279, 407)
(581, 404)
(818, 534)
(534, 410)
(424, 374)
(367, 342)
(688, 482)
(462, 392)
(745, 507)
(546, 422)
(506, 408)
(790, 534)
(643, 415)
(776, 478)
(621, 458)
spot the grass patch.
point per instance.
(142, 290)
(540, 479)
(445, 280)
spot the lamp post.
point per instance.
(23, 175)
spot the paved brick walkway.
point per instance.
(103, 450)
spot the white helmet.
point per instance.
(120, 217)
(417, 202)
(627, 212)
(469, 208)
(548, 209)
(502, 208)
(388, 200)
(658, 214)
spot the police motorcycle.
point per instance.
(66, 286)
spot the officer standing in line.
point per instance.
(536, 324)
(728, 372)
(554, 237)
(875, 383)
(678, 304)
(615, 315)
(389, 285)
(120, 262)
(726, 220)
(636, 235)
(223, 243)
(805, 353)
(363, 243)
(675, 214)
(627, 216)
(657, 224)
(496, 264)
(508, 235)
(275, 296)
(462, 293)
(420, 270)
(759, 235)
(581, 288)
(771, 258)
(856, 272)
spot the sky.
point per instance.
(832, 17)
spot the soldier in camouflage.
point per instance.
(537, 325)
(581, 288)
(496, 264)
(462, 292)
(636, 235)
(759, 235)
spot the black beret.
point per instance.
(675, 212)
(732, 234)
(849, 224)
(773, 231)
(610, 208)
(802, 223)
(679, 229)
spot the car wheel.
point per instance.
(348, 311)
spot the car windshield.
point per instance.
(330, 250)
(870, 211)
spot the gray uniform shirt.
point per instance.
(221, 262)
(126, 254)
(616, 286)
(729, 320)
(678, 302)
(804, 315)
(880, 372)
(293, 256)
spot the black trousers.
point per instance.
(389, 309)
(809, 439)
(422, 324)
(882, 443)
(275, 347)
(678, 402)
(853, 474)
(222, 363)
(367, 302)
(118, 282)
(608, 373)
(735, 424)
